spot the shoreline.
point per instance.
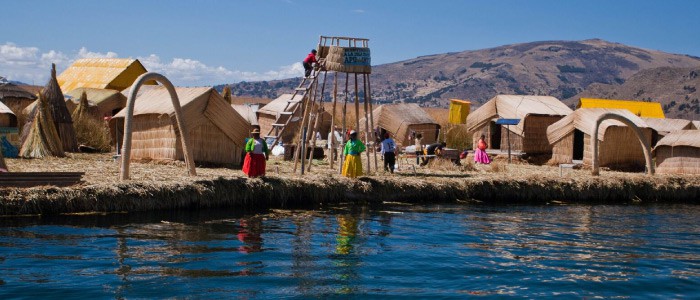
(303, 192)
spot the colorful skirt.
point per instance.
(480, 156)
(254, 165)
(352, 167)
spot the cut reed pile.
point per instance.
(89, 130)
(160, 187)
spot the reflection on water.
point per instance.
(420, 251)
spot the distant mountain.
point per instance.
(675, 88)
(558, 68)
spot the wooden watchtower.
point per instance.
(349, 61)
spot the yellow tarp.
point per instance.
(459, 110)
(639, 108)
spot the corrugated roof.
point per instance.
(516, 107)
(101, 73)
(584, 119)
(690, 138)
(664, 126)
(639, 108)
(279, 104)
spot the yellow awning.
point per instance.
(459, 110)
(639, 108)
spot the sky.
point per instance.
(209, 42)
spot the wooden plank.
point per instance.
(31, 179)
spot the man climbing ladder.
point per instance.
(309, 61)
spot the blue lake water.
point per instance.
(393, 251)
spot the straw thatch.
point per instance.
(248, 112)
(679, 153)
(101, 73)
(618, 147)
(101, 102)
(89, 130)
(41, 137)
(696, 124)
(250, 100)
(268, 114)
(662, 127)
(403, 119)
(3, 165)
(536, 113)
(15, 98)
(59, 113)
(348, 60)
(226, 93)
(217, 130)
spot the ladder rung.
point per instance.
(286, 113)
(301, 89)
(278, 125)
(270, 137)
(293, 101)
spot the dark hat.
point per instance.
(313, 50)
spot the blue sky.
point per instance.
(210, 42)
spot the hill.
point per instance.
(675, 88)
(558, 68)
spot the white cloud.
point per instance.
(30, 65)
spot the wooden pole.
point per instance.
(368, 95)
(304, 112)
(332, 140)
(319, 112)
(357, 108)
(345, 125)
(369, 132)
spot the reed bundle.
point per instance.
(41, 138)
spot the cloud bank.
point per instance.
(31, 65)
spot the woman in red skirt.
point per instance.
(256, 155)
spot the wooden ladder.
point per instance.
(294, 107)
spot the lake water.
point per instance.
(393, 251)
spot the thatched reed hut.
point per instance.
(696, 124)
(401, 120)
(251, 100)
(268, 114)
(536, 113)
(15, 98)
(101, 73)
(59, 113)
(248, 111)
(40, 137)
(8, 125)
(639, 108)
(679, 153)
(217, 130)
(101, 102)
(662, 127)
(618, 147)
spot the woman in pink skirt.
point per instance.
(480, 155)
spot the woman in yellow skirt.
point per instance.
(353, 163)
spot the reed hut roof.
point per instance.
(5, 110)
(689, 138)
(8, 90)
(639, 108)
(696, 124)
(102, 73)
(278, 105)
(248, 112)
(198, 104)
(250, 100)
(396, 118)
(584, 119)
(664, 126)
(96, 96)
(516, 107)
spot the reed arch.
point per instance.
(126, 147)
(646, 148)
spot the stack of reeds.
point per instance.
(56, 106)
(41, 137)
(89, 130)
(227, 94)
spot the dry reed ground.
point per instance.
(156, 186)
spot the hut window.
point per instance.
(578, 145)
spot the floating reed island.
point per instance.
(157, 186)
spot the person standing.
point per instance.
(419, 147)
(480, 155)
(352, 167)
(389, 153)
(256, 155)
(309, 61)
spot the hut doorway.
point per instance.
(578, 145)
(494, 135)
